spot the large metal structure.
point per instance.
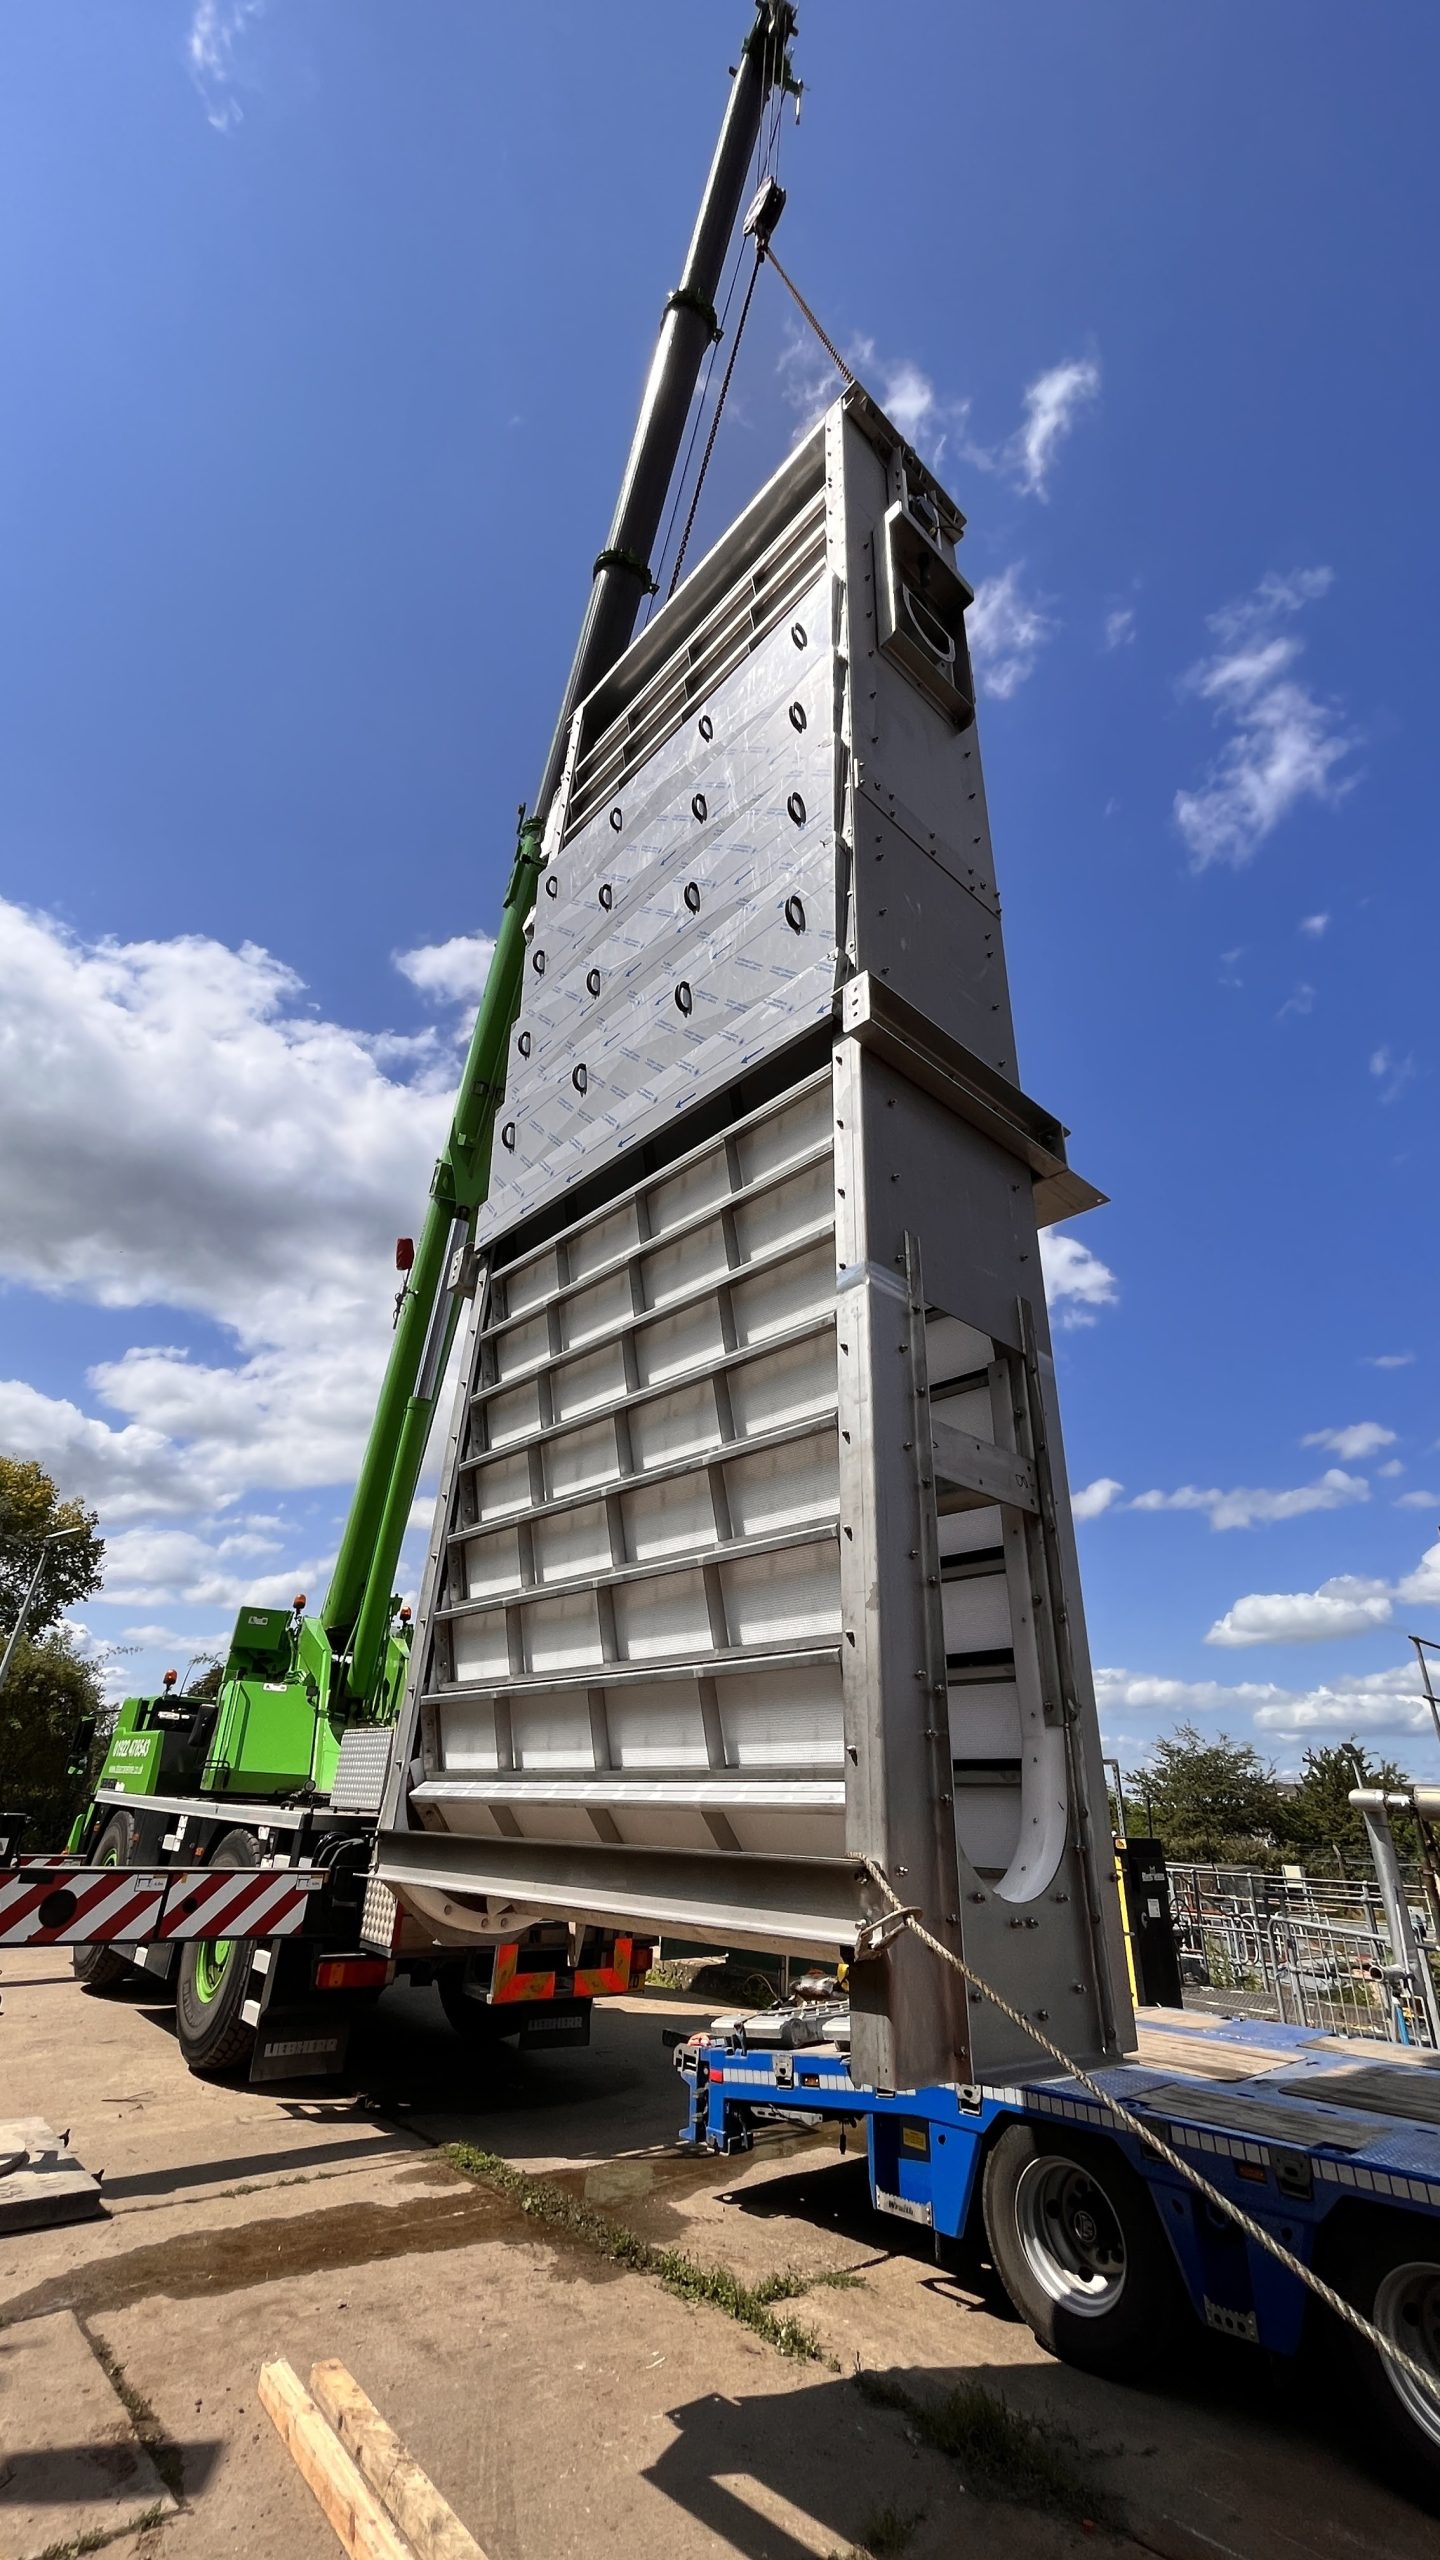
(753, 1556)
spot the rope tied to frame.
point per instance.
(903, 1916)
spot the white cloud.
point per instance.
(1421, 1589)
(1284, 743)
(1053, 402)
(1230, 966)
(1144, 1693)
(1391, 1360)
(146, 1567)
(1313, 925)
(1008, 630)
(124, 1472)
(931, 419)
(452, 972)
(1347, 1605)
(1300, 1001)
(1245, 1505)
(1094, 1498)
(1392, 1467)
(1077, 1283)
(1120, 627)
(907, 397)
(808, 380)
(1352, 1440)
(1381, 1702)
(215, 30)
(1417, 1500)
(1378, 1701)
(170, 1639)
(176, 1129)
(1396, 1072)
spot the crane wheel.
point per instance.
(101, 1969)
(213, 1982)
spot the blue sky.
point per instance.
(322, 324)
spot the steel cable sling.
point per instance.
(1253, 2230)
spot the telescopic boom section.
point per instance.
(358, 1606)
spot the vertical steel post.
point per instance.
(28, 1602)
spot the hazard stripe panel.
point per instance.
(50, 1904)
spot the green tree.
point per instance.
(49, 1686)
(31, 1511)
(1216, 1802)
(47, 1693)
(1320, 1828)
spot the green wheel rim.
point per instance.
(212, 1956)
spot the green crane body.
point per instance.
(292, 1684)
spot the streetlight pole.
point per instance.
(26, 1604)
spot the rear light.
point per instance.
(352, 1973)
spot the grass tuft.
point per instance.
(1003, 2454)
(102, 2536)
(681, 2275)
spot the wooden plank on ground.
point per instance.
(348, 2505)
(411, 2496)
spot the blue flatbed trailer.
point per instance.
(1331, 2144)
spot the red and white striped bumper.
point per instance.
(45, 1903)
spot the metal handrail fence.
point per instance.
(1309, 1951)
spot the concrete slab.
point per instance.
(562, 2409)
(71, 2463)
(41, 2181)
(558, 2403)
(1228, 2453)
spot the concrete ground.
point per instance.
(562, 2403)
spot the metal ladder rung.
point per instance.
(971, 1473)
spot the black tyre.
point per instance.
(102, 1969)
(473, 2020)
(1080, 2250)
(1388, 2265)
(213, 1981)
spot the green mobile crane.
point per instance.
(289, 1749)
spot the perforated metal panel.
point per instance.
(753, 1555)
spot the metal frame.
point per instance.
(765, 812)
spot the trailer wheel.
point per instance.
(212, 1981)
(1080, 2250)
(102, 1969)
(1389, 2267)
